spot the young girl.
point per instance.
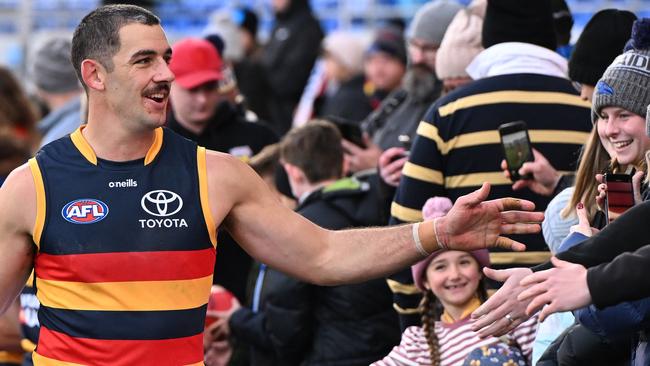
(453, 287)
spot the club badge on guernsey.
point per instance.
(85, 211)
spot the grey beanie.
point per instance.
(52, 70)
(626, 82)
(431, 20)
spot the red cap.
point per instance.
(194, 62)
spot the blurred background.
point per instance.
(24, 22)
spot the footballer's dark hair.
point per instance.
(97, 37)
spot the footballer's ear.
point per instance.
(93, 74)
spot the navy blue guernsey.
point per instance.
(125, 253)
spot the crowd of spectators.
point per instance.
(360, 129)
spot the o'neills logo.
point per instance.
(124, 184)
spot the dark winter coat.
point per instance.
(288, 58)
(348, 102)
(302, 324)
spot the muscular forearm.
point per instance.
(361, 254)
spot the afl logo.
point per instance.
(85, 211)
(161, 203)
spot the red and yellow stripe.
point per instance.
(56, 348)
(136, 266)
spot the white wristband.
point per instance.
(441, 245)
(416, 239)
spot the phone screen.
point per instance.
(352, 133)
(517, 150)
(620, 195)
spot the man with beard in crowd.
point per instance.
(400, 113)
(150, 280)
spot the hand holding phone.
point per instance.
(620, 194)
(404, 143)
(349, 130)
(516, 147)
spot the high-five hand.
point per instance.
(563, 288)
(474, 223)
(502, 312)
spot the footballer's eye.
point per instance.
(143, 61)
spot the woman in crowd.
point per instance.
(618, 143)
(600, 42)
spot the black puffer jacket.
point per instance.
(301, 324)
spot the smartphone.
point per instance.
(349, 130)
(405, 143)
(516, 147)
(620, 195)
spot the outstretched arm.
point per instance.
(563, 288)
(17, 217)
(290, 243)
(627, 233)
(570, 286)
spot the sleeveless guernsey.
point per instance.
(125, 254)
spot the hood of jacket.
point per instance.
(351, 197)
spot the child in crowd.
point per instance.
(453, 287)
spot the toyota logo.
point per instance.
(161, 203)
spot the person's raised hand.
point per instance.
(601, 191)
(218, 351)
(502, 312)
(637, 183)
(391, 163)
(359, 158)
(473, 223)
(583, 226)
(563, 288)
(219, 330)
(545, 177)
